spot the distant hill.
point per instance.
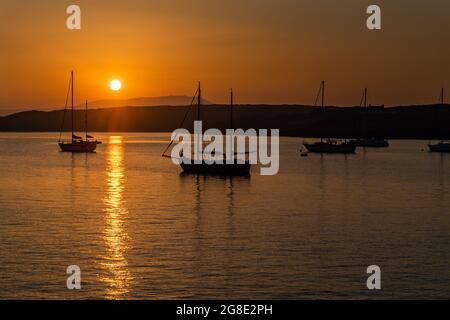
(4, 112)
(115, 103)
(408, 122)
(145, 102)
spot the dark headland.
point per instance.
(405, 122)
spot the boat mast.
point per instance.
(321, 91)
(199, 101)
(365, 97)
(363, 102)
(86, 121)
(323, 95)
(72, 103)
(442, 95)
(323, 102)
(231, 108)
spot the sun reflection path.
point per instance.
(116, 239)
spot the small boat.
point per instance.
(328, 145)
(79, 146)
(77, 143)
(440, 147)
(235, 168)
(370, 143)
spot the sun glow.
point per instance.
(115, 139)
(115, 85)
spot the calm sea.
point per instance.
(139, 229)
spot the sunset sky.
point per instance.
(269, 51)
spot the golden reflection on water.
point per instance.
(117, 276)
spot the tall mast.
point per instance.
(363, 102)
(72, 103)
(323, 95)
(199, 101)
(86, 121)
(231, 108)
(365, 97)
(442, 95)
(323, 101)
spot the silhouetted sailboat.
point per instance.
(442, 146)
(77, 144)
(372, 142)
(219, 169)
(328, 145)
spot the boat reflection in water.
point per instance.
(117, 275)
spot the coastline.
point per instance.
(420, 122)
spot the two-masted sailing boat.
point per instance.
(226, 168)
(371, 142)
(77, 143)
(442, 146)
(328, 145)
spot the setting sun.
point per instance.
(115, 85)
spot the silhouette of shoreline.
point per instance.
(405, 122)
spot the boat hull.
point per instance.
(370, 143)
(439, 147)
(79, 147)
(323, 147)
(235, 169)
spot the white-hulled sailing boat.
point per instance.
(218, 169)
(372, 142)
(442, 146)
(77, 144)
(328, 145)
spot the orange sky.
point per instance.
(269, 51)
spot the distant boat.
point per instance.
(440, 147)
(372, 142)
(218, 169)
(328, 145)
(76, 144)
(443, 146)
